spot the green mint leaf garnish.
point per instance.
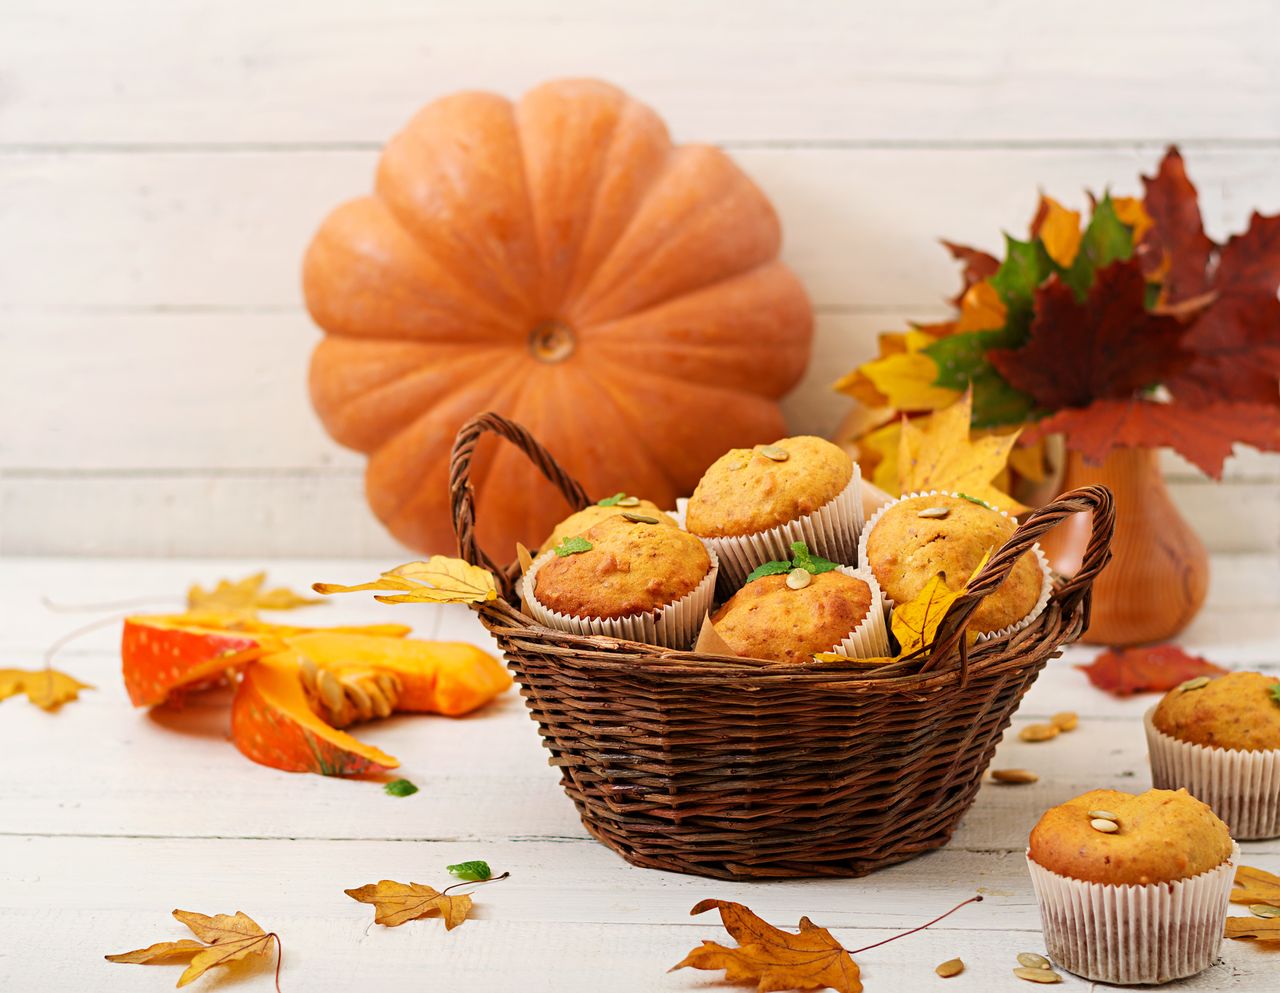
(813, 564)
(775, 568)
(610, 501)
(474, 871)
(573, 546)
(1275, 692)
(400, 787)
(974, 499)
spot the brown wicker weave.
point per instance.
(738, 768)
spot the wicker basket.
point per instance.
(738, 768)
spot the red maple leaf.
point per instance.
(1201, 435)
(978, 265)
(1154, 669)
(1107, 347)
(1178, 233)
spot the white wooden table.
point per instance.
(110, 817)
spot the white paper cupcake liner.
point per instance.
(1046, 574)
(870, 639)
(1134, 934)
(1243, 788)
(830, 531)
(673, 626)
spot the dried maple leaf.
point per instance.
(1179, 250)
(774, 959)
(1126, 671)
(978, 265)
(226, 939)
(1255, 886)
(245, 597)
(1059, 229)
(438, 580)
(395, 903)
(48, 689)
(936, 453)
(1261, 929)
(915, 623)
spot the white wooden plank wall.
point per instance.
(162, 167)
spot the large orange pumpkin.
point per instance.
(559, 261)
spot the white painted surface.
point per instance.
(163, 166)
(112, 816)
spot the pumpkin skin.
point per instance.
(161, 654)
(558, 261)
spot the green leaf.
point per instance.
(1025, 267)
(1275, 692)
(775, 568)
(573, 546)
(814, 564)
(610, 501)
(475, 871)
(962, 362)
(400, 787)
(1107, 239)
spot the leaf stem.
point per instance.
(279, 956)
(972, 899)
(71, 636)
(474, 882)
(87, 608)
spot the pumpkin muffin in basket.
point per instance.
(1132, 889)
(1220, 739)
(792, 616)
(752, 503)
(614, 506)
(630, 576)
(911, 540)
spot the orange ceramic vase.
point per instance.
(1159, 572)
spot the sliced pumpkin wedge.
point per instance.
(163, 653)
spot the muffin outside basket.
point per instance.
(737, 768)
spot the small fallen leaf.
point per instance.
(1126, 671)
(1261, 929)
(438, 580)
(48, 689)
(1255, 886)
(227, 938)
(400, 787)
(474, 871)
(395, 903)
(245, 597)
(774, 959)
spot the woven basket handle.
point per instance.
(1075, 592)
(462, 495)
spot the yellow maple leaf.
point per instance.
(1059, 230)
(1133, 212)
(48, 689)
(396, 903)
(936, 453)
(438, 580)
(1255, 886)
(878, 453)
(223, 939)
(981, 309)
(245, 597)
(774, 959)
(906, 379)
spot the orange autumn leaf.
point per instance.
(981, 309)
(226, 939)
(245, 597)
(1258, 928)
(396, 903)
(774, 959)
(1255, 886)
(1059, 230)
(440, 579)
(48, 689)
(1153, 669)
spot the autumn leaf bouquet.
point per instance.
(1132, 329)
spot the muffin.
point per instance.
(1220, 739)
(911, 540)
(589, 517)
(752, 503)
(628, 576)
(837, 611)
(1132, 889)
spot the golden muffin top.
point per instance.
(905, 550)
(1161, 836)
(1240, 710)
(748, 490)
(630, 568)
(589, 517)
(767, 619)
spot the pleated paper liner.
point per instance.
(673, 626)
(830, 531)
(1242, 787)
(1046, 574)
(1134, 934)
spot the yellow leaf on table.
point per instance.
(1059, 230)
(981, 309)
(226, 938)
(48, 689)
(396, 903)
(1255, 886)
(245, 597)
(936, 453)
(438, 580)
(1259, 928)
(774, 959)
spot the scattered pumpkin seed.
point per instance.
(1199, 683)
(1103, 815)
(798, 579)
(1067, 720)
(330, 689)
(629, 501)
(949, 968)
(934, 512)
(1033, 961)
(1038, 732)
(1037, 975)
(1014, 777)
(1103, 825)
(775, 453)
(1264, 910)
(640, 518)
